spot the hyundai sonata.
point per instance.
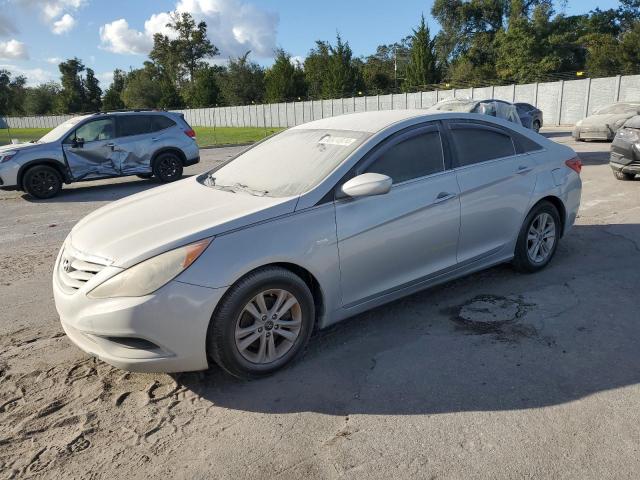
(308, 227)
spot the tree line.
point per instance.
(479, 42)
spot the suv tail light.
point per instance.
(574, 164)
(190, 133)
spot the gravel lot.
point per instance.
(419, 388)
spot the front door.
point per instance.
(390, 241)
(90, 150)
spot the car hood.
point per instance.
(140, 226)
(20, 146)
(604, 119)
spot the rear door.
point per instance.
(496, 184)
(89, 150)
(134, 143)
(390, 241)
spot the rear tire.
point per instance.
(167, 167)
(538, 238)
(262, 323)
(536, 126)
(42, 181)
(623, 176)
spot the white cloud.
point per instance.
(6, 26)
(34, 76)
(117, 37)
(64, 25)
(54, 60)
(297, 60)
(14, 50)
(55, 13)
(233, 26)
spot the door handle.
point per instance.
(444, 196)
(522, 169)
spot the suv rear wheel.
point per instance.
(167, 167)
(42, 181)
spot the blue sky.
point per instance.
(108, 34)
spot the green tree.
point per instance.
(204, 90)
(342, 77)
(93, 92)
(113, 96)
(243, 82)
(382, 71)
(315, 67)
(422, 68)
(41, 100)
(630, 49)
(72, 98)
(12, 93)
(142, 89)
(283, 81)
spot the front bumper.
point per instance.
(625, 156)
(593, 133)
(162, 332)
(9, 175)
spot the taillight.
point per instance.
(190, 133)
(574, 164)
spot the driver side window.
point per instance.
(95, 130)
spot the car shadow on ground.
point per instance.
(555, 342)
(556, 133)
(99, 192)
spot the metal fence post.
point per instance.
(378, 102)
(535, 96)
(616, 95)
(513, 93)
(472, 93)
(559, 116)
(587, 96)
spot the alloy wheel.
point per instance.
(541, 238)
(268, 326)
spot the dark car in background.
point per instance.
(625, 150)
(530, 116)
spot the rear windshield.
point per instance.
(289, 163)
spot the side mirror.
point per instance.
(366, 185)
(77, 143)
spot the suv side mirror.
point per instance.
(366, 185)
(77, 143)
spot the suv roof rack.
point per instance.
(125, 110)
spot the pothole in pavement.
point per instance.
(485, 314)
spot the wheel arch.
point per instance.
(43, 161)
(176, 151)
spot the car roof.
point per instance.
(370, 122)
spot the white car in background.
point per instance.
(605, 122)
(310, 226)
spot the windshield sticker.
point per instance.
(342, 141)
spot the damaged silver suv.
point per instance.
(101, 145)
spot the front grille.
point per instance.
(74, 272)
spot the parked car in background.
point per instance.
(530, 116)
(494, 108)
(625, 150)
(605, 122)
(311, 226)
(101, 145)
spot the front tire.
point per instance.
(42, 181)
(623, 176)
(167, 167)
(262, 323)
(538, 238)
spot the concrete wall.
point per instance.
(562, 102)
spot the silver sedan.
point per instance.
(309, 227)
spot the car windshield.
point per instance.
(618, 108)
(286, 164)
(61, 130)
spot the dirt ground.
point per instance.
(420, 388)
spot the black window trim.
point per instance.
(73, 134)
(165, 128)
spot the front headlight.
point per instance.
(148, 276)
(6, 156)
(628, 134)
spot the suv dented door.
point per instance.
(135, 142)
(90, 151)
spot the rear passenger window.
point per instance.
(475, 145)
(412, 158)
(525, 144)
(160, 122)
(129, 125)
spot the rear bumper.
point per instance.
(593, 133)
(191, 161)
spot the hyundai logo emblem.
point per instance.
(66, 265)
